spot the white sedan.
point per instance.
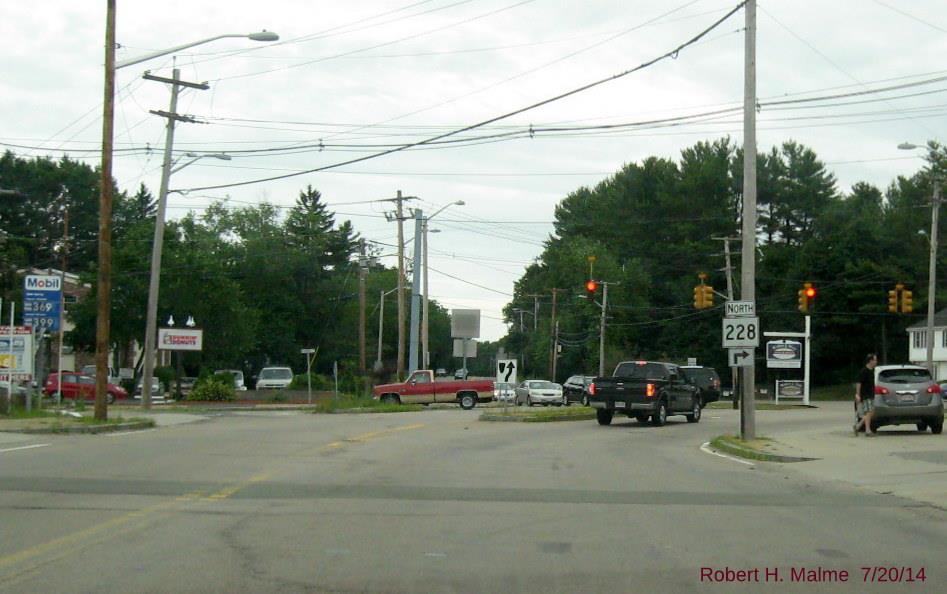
(533, 392)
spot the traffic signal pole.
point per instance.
(748, 253)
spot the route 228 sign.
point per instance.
(741, 333)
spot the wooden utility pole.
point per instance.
(362, 270)
(554, 330)
(104, 285)
(734, 374)
(399, 216)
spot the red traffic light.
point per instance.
(591, 286)
(810, 292)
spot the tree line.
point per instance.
(651, 228)
(262, 281)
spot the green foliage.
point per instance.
(212, 391)
(166, 376)
(319, 382)
(347, 402)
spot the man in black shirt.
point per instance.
(865, 394)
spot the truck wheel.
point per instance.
(922, 426)
(390, 399)
(694, 417)
(659, 418)
(467, 401)
(604, 416)
(937, 427)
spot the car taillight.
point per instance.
(934, 389)
(591, 389)
(881, 390)
(716, 384)
(649, 390)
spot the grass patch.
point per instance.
(362, 404)
(544, 415)
(55, 423)
(20, 413)
(751, 450)
(835, 392)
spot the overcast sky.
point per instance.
(388, 72)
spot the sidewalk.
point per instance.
(900, 460)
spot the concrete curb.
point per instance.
(500, 418)
(93, 429)
(750, 454)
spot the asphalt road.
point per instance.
(437, 501)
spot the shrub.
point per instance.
(166, 376)
(212, 390)
(319, 382)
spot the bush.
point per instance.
(319, 382)
(166, 376)
(213, 391)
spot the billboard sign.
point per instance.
(465, 323)
(19, 360)
(179, 339)
(784, 354)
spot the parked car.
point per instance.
(422, 388)
(274, 378)
(706, 379)
(576, 388)
(440, 372)
(461, 374)
(543, 392)
(645, 390)
(238, 383)
(75, 385)
(504, 392)
(906, 394)
(155, 387)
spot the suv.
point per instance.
(576, 388)
(274, 378)
(706, 379)
(906, 394)
(238, 384)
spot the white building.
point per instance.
(917, 343)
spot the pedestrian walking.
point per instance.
(865, 395)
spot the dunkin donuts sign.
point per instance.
(173, 339)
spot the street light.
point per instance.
(932, 265)
(381, 324)
(166, 171)
(425, 350)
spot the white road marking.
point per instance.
(29, 447)
(127, 432)
(437, 555)
(704, 448)
(714, 417)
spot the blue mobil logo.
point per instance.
(43, 283)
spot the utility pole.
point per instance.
(535, 310)
(151, 319)
(555, 352)
(416, 291)
(729, 270)
(362, 269)
(748, 252)
(104, 284)
(931, 280)
(62, 300)
(601, 331)
(399, 216)
(425, 345)
(554, 328)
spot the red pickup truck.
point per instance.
(422, 388)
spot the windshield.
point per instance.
(503, 386)
(543, 386)
(276, 373)
(904, 376)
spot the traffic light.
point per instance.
(591, 287)
(806, 297)
(893, 301)
(699, 297)
(708, 295)
(907, 301)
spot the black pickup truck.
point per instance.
(645, 390)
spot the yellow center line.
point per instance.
(228, 491)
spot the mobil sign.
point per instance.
(35, 282)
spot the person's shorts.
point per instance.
(866, 406)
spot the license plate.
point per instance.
(619, 405)
(908, 398)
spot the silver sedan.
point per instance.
(533, 392)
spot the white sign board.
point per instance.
(790, 389)
(784, 354)
(739, 309)
(465, 323)
(741, 333)
(20, 360)
(506, 371)
(180, 339)
(471, 348)
(740, 357)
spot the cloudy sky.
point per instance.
(349, 79)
